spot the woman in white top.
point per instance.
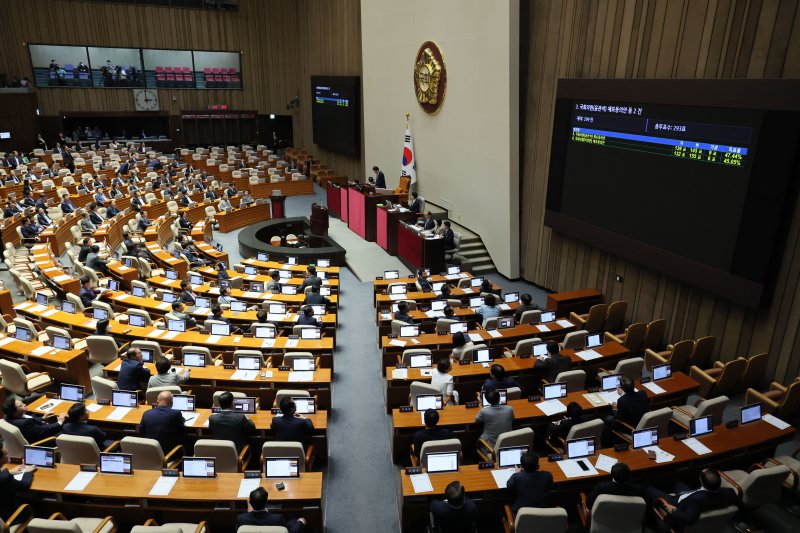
(460, 345)
(441, 379)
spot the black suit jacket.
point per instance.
(529, 489)
(553, 366)
(631, 407)
(315, 298)
(265, 518)
(452, 520)
(614, 489)
(380, 180)
(688, 511)
(228, 425)
(132, 374)
(34, 428)
(561, 429)
(292, 429)
(430, 434)
(187, 298)
(9, 487)
(82, 429)
(415, 206)
(164, 425)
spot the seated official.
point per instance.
(258, 515)
(230, 425)
(131, 245)
(460, 345)
(187, 295)
(416, 203)
(167, 376)
(86, 247)
(311, 278)
(222, 273)
(33, 428)
(183, 221)
(444, 292)
(94, 216)
(489, 309)
(449, 237)
(42, 218)
(496, 418)
(632, 405)
(402, 314)
(95, 262)
(443, 379)
(526, 304)
(290, 426)
(274, 283)
(431, 432)
(428, 223)
(112, 210)
(685, 507)
(86, 225)
(29, 229)
(177, 310)
(306, 318)
(225, 297)
(224, 204)
(553, 363)
(456, 513)
(618, 486)
(422, 280)
(498, 379)
(88, 293)
(77, 423)
(246, 199)
(487, 287)
(528, 486)
(132, 372)
(101, 328)
(163, 423)
(216, 314)
(574, 416)
(144, 222)
(11, 487)
(314, 297)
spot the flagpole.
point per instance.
(407, 117)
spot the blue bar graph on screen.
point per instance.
(665, 141)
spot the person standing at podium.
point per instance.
(416, 203)
(380, 179)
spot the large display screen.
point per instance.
(700, 192)
(335, 113)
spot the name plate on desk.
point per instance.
(229, 366)
(169, 472)
(471, 405)
(252, 474)
(406, 409)
(276, 410)
(463, 362)
(284, 368)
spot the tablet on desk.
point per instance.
(167, 297)
(289, 290)
(200, 467)
(196, 279)
(750, 413)
(311, 334)
(137, 321)
(539, 349)
(510, 457)
(391, 274)
(662, 372)
(265, 332)
(453, 270)
(183, 403)
(611, 382)
(700, 426)
(248, 362)
(438, 305)
(61, 342)
(71, 393)
(429, 401)
(40, 456)
(303, 364)
(580, 448)
(643, 438)
(594, 340)
(409, 331)
(176, 325)
(171, 274)
(23, 334)
(116, 463)
(250, 270)
(549, 316)
(124, 398)
(554, 391)
(98, 313)
(262, 256)
(203, 302)
(323, 263)
(237, 306)
(281, 467)
(456, 327)
(421, 360)
(148, 355)
(41, 299)
(398, 289)
(194, 359)
(69, 307)
(139, 292)
(442, 462)
(482, 355)
(220, 329)
(305, 405)
(511, 297)
(246, 405)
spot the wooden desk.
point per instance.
(167, 261)
(380, 285)
(332, 271)
(418, 296)
(66, 366)
(52, 270)
(417, 252)
(371, 207)
(564, 303)
(239, 218)
(736, 447)
(387, 222)
(7, 305)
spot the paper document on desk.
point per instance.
(696, 446)
(304, 375)
(93, 407)
(399, 373)
(189, 418)
(251, 294)
(775, 421)
(6, 340)
(505, 307)
(268, 343)
(80, 481)
(171, 334)
(395, 342)
(49, 405)
(604, 463)
(542, 328)
(475, 337)
(41, 350)
(451, 276)
(246, 486)
(163, 486)
(565, 323)
(202, 311)
(395, 297)
(594, 398)
(37, 308)
(23, 305)
(292, 343)
(652, 387)
(588, 355)
(434, 314)
(213, 339)
(421, 483)
(467, 290)
(62, 277)
(245, 375)
(265, 296)
(552, 407)
(155, 333)
(119, 413)
(493, 333)
(164, 305)
(610, 396)
(572, 468)
(276, 317)
(51, 269)
(661, 455)
(502, 476)
(386, 316)
(50, 312)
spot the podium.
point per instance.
(278, 206)
(387, 222)
(417, 251)
(334, 199)
(319, 219)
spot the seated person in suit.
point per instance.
(528, 487)
(224, 204)
(444, 293)
(216, 314)
(10, 486)
(77, 424)
(618, 486)
(632, 405)
(144, 222)
(33, 428)
(306, 318)
(95, 262)
(311, 278)
(290, 426)
(574, 416)
(428, 223)
(431, 432)
(247, 199)
(230, 425)
(162, 423)
(183, 221)
(132, 372)
(258, 515)
(222, 273)
(225, 297)
(187, 296)
(487, 287)
(496, 418)
(166, 375)
(177, 310)
(88, 293)
(42, 218)
(498, 379)
(314, 297)
(489, 309)
(449, 236)
(422, 280)
(402, 314)
(553, 363)
(29, 229)
(94, 216)
(86, 247)
(86, 225)
(112, 210)
(274, 283)
(456, 513)
(525, 304)
(685, 507)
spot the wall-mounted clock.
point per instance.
(146, 100)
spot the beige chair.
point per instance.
(148, 321)
(631, 338)
(151, 346)
(659, 418)
(15, 443)
(396, 325)
(19, 519)
(289, 450)
(631, 368)
(533, 316)
(467, 353)
(20, 382)
(591, 428)
(52, 331)
(103, 387)
(714, 406)
(289, 393)
(759, 487)
(720, 380)
(702, 354)
(289, 357)
(102, 349)
(591, 321)
(780, 400)
(443, 324)
(210, 361)
(24, 323)
(151, 396)
(419, 388)
(77, 450)
(523, 347)
(677, 355)
(753, 372)
(79, 308)
(575, 340)
(151, 526)
(147, 453)
(654, 335)
(534, 519)
(517, 437)
(615, 317)
(575, 379)
(613, 514)
(435, 446)
(715, 520)
(224, 451)
(215, 398)
(407, 354)
(59, 523)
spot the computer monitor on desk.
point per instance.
(580, 448)
(645, 437)
(429, 401)
(700, 426)
(503, 397)
(124, 398)
(442, 462)
(554, 391)
(116, 463)
(281, 467)
(510, 457)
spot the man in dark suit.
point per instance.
(528, 487)
(187, 296)
(42, 219)
(314, 297)
(86, 248)
(554, 363)
(455, 514)
(306, 318)
(14, 160)
(431, 432)
(449, 236)
(526, 304)
(633, 404)
(499, 380)
(291, 426)
(618, 486)
(132, 372)
(561, 428)
(311, 278)
(163, 423)
(67, 206)
(77, 424)
(230, 425)
(29, 229)
(41, 203)
(416, 203)
(124, 168)
(95, 262)
(33, 428)
(429, 224)
(112, 210)
(94, 216)
(144, 222)
(257, 514)
(10, 486)
(380, 179)
(685, 507)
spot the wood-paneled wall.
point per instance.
(654, 39)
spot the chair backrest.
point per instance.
(615, 317)
(289, 357)
(631, 367)
(147, 453)
(529, 317)
(680, 355)
(635, 337)
(198, 349)
(530, 519)
(790, 403)
(12, 438)
(575, 379)
(618, 514)
(575, 340)
(13, 377)
(420, 387)
(715, 520)
(763, 486)
(102, 388)
(288, 393)
(659, 418)
(732, 373)
(443, 324)
(655, 334)
(285, 449)
(703, 350)
(215, 398)
(151, 396)
(466, 355)
(596, 318)
(714, 406)
(592, 428)
(52, 331)
(227, 458)
(77, 450)
(756, 366)
(438, 446)
(102, 349)
(517, 437)
(396, 325)
(406, 359)
(525, 346)
(43, 525)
